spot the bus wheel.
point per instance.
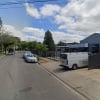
(74, 67)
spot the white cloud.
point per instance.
(49, 10)
(46, 10)
(80, 17)
(34, 31)
(57, 35)
(32, 11)
(38, 34)
(13, 31)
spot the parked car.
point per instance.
(31, 58)
(26, 53)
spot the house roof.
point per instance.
(92, 39)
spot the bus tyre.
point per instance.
(74, 67)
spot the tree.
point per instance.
(6, 41)
(24, 45)
(32, 45)
(1, 46)
(48, 40)
(17, 42)
(0, 24)
(41, 48)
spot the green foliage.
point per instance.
(24, 45)
(7, 41)
(41, 48)
(17, 39)
(34, 46)
(48, 40)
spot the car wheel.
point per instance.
(74, 67)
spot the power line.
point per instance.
(23, 2)
(9, 4)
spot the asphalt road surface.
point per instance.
(27, 81)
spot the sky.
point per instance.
(68, 20)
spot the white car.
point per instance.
(26, 53)
(31, 58)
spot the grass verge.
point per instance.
(1, 54)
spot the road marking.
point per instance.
(10, 76)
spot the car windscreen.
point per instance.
(30, 56)
(63, 56)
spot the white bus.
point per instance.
(74, 60)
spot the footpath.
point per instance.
(84, 81)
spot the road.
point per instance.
(27, 81)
